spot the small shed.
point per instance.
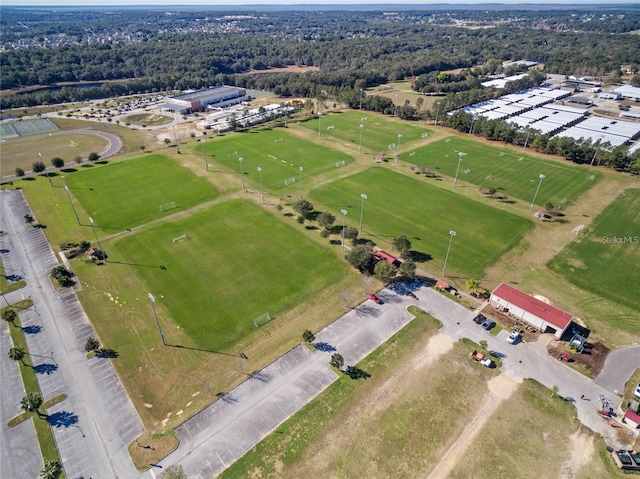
(383, 255)
(631, 418)
(442, 284)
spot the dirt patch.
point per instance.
(582, 450)
(289, 69)
(500, 388)
(591, 359)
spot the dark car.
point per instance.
(488, 324)
(479, 319)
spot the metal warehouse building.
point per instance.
(201, 99)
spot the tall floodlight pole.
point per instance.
(398, 148)
(360, 148)
(472, 120)
(542, 177)
(460, 155)
(241, 174)
(446, 258)
(364, 197)
(319, 118)
(261, 190)
(66, 188)
(152, 299)
(594, 157)
(176, 138)
(344, 223)
(301, 170)
(204, 156)
(437, 112)
(361, 92)
(45, 170)
(527, 140)
(96, 235)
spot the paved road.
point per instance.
(97, 421)
(618, 368)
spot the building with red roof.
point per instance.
(389, 258)
(520, 305)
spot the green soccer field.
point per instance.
(605, 260)
(129, 193)
(510, 172)
(379, 133)
(399, 205)
(279, 154)
(237, 263)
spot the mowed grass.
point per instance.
(22, 153)
(237, 263)
(279, 154)
(400, 205)
(605, 260)
(129, 193)
(510, 172)
(379, 133)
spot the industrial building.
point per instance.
(219, 97)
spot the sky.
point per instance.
(130, 3)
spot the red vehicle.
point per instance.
(375, 299)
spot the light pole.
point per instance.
(398, 148)
(594, 157)
(361, 98)
(451, 235)
(66, 188)
(527, 140)
(242, 175)
(460, 155)
(96, 235)
(364, 197)
(472, 120)
(45, 169)
(301, 170)
(542, 177)
(152, 299)
(344, 222)
(319, 118)
(176, 138)
(437, 112)
(204, 156)
(360, 148)
(261, 190)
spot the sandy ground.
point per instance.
(500, 388)
(582, 451)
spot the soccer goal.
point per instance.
(180, 238)
(168, 206)
(289, 181)
(262, 319)
(340, 164)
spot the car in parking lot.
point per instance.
(488, 324)
(514, 337)
(636, 393)
(479, 319)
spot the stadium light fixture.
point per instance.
(204, 156)
(261, 190)
(319, 118)
(526, 142)
(96, 235)
(474, 118)
(398, 148)
(542, 177)
(446, 258)
(176, 138)
(242, 175)
(437, 112)
(360, 148)
(364, 197)
(361, 93)
(301, 170)
(344, 223)
(152, 300)
(460, 155)
(66, 188)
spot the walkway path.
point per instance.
(97, 421)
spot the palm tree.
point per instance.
(17, 353)
(9, 315)
(473, 285)
(31, 403)
(51, 470)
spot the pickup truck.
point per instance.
(514, 337)
(482, 359)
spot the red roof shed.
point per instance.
(631, 416)
(389, 258)
(441, 283)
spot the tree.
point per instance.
(408, 269)
(77, 159)
(385, 272)
(308, 336)
(173, 472)
(92, 344)
(337, 361)
(303, 207)
(167, 141)
(51, 470)
(17, 353)
(62, 275)
(326, 220)
(9, 315)
(402, 244)
(473, 285)
(142, 148)
(484, 344)
(361, 257)
(19, 172)
(28, 218)
(548, 207)
(31, 403)
(93, 156)
(57, 162)
(38, 166)
(351, 234)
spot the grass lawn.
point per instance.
(605, 259)
(125, 194)
(510, 172)
(236, 264)
(399, 205)
(22, 154)
(148, 119)
(379, 133)
(279, 154)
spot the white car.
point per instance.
(513, 337)
(636, 393)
